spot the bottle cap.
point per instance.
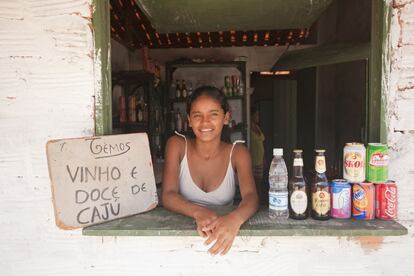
(278, 151)
(319, 150)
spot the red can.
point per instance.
(363, 201)
(386, 200)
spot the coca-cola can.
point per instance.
(386, 200)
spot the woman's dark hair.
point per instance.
(216, 94)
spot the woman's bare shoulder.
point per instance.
(175, 146)
(240, 154)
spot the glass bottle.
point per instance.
(178, 121)
(178, 90)
(321, 199)
(298, 197)
(183, 90)
(278, 192)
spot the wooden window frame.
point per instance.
(378, 69)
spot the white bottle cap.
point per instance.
(278, 152)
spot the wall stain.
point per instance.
(369, 243)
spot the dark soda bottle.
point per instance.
(321, 199)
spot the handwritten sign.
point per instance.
(97, 179)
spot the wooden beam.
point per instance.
(379, 66)
(322, 55)
(102, 64)
(217, 15)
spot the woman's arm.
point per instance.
(250, 200)
(225, 228)
(171, 199)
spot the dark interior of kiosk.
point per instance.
(314, 100)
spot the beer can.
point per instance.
(340, 199)
(377, 163)
(354, 162)
(363, 201)
(386, 200)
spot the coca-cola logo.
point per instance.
(390, 195)
(379, 159)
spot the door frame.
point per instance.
(378, 63)
(379, 69)
(102, 67)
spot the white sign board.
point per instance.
(97, 179)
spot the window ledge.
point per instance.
(161, 222)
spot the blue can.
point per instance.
(341, 199)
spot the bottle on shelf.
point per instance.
(235, 85)
(178, 121)
(172, 120)
(298, 197)
(278, 192)
(184, 93)
(173, 90)
(321, 200)
(178, 90)
(142, 112)
(140, 115)
(227, 86)
(190, 88)
(122, 109)
(157, 144)
(132, 102)
(145, 112)
(241, 88)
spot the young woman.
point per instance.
(200, 173)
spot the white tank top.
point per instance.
(221, 196)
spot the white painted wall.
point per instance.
(47, 91)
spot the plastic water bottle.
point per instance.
(278, 191)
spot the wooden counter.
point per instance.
(161, 222)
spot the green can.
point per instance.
(377, 162)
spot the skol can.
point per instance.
(354, 162)
(386, 200)
(377, 163)
(363, 201)
(340, 199)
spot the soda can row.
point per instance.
(369, 164)
(364, 200)
(378, 200)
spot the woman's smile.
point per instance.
(206, 129)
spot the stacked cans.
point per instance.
(340, 199)
(375, 197)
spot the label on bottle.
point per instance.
(321, 202)
(320, 166)
(298, 202)
(298, 162)
(278, 201)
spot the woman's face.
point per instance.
(207, 118)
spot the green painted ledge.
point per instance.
(161, 222)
